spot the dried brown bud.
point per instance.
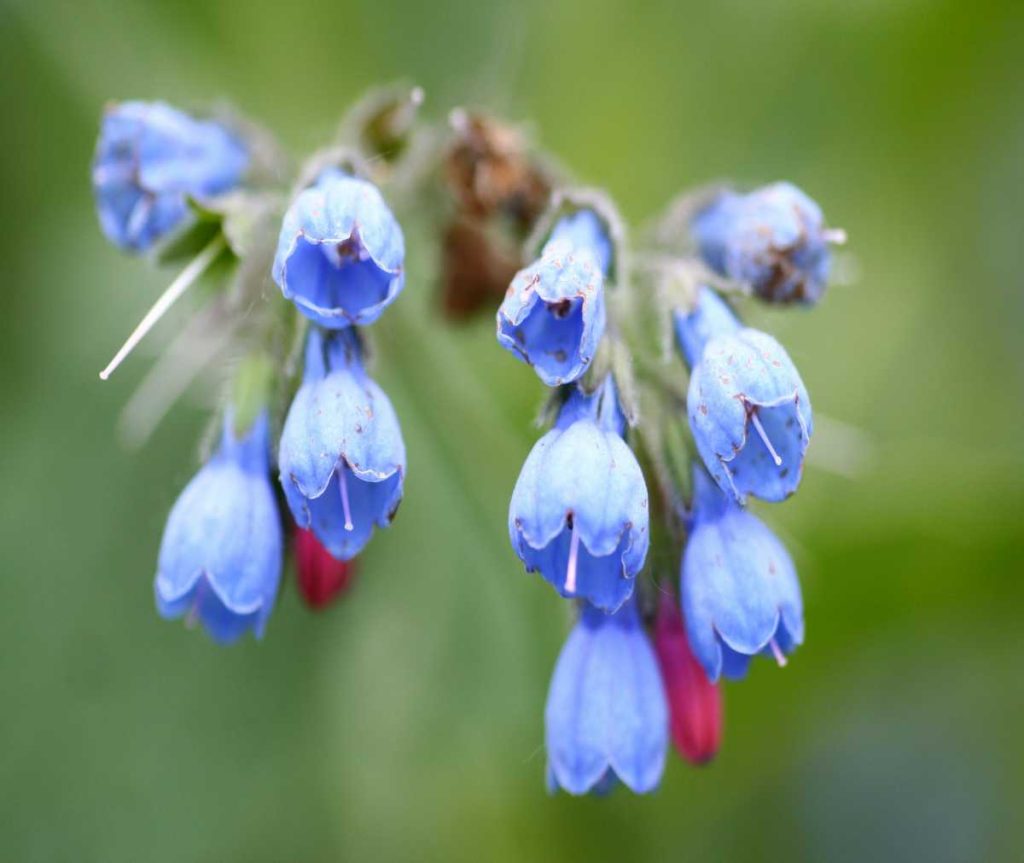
(476, 268)
(489, 170)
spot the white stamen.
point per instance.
(836, 236)
(764, 439)
(344, 498)
(574, 547)
(780, 657)
(140, 212)
(167, 299)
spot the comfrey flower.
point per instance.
(694, 702)
(579, 509)
(740, 594)
(774, 239)
(342, 457)
(553, 315)
(341, 254)
(749, 410)
(606, 717)
(150, 159)
(220, 559)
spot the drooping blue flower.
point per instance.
(150, 159)
(341, 254)
(748, 408)
(740, 594)
(773, 238)
(220, 558)
(342, 457)
(553, 315)
(579, 509)
(606, 718)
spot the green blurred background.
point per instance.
(406, 723)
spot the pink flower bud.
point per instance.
(695, 703)
(321, 576)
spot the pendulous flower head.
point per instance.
(748, 408)
(740, 594)
(773, 239)
(694, 702)
(342, 457)
(220, 558)
(606, 718)
(321, 576)
(553, 315)
(341, 254)
(150, 159)
(579, 512)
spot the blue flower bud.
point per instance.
(150, 159)
(553, 315)
(749, 410)
(606, 717)
(579, 509)
(342, 457)
(220, 558)
(740, 594)
(774, 239)
(341, 254)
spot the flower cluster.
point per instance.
(580, 513)
(340, 261)
(647, 466)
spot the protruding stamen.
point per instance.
(167, 299)
(574, 547)
(344, 498)
(836, 236)
(140, 213)
(756, 422)
(780, 657)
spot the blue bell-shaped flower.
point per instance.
(220, 558)
(553, 315)
(773, 239)
(740, 594)
(748, 408)
(606, 718)
(342, 457)
(579, 509)
(341, 254)
(150, 159)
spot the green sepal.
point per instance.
(188, 239)
(251, 390)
